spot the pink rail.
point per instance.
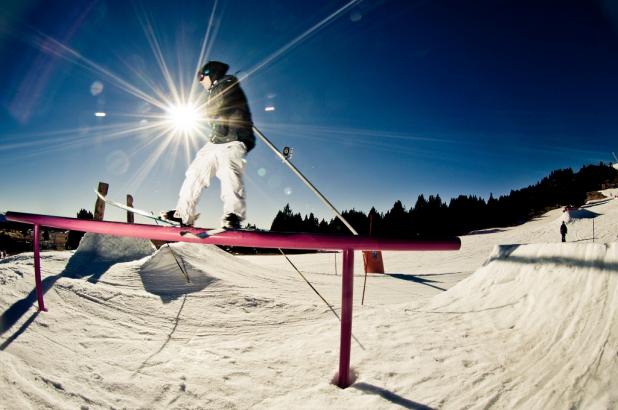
(256, 239)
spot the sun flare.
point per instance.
(184, 118)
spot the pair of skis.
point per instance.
(199, 234)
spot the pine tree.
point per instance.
(74, 236)
(464, 213)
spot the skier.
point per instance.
(231, 139)
(563, 231)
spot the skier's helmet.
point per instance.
(213, 69)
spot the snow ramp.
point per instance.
(97, 253)
(549, 314)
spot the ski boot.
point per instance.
(231, 221)
(170, 216)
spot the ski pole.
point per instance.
(287, 162)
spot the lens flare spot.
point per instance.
(261, 172)
(96, 88)
(287, 190)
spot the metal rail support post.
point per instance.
(347, 301)
(37, 269)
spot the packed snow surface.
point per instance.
(515, 319)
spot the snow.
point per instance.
(515, 319)
(95, 248)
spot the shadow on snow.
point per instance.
(390, 396)
(415, 279)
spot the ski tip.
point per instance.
(199, 235)
(100, 195)
(216, 231)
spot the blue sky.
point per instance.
(381, 100)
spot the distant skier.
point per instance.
(563, 231)
(230, 140)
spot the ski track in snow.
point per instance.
(513, 320)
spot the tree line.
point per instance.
(432, 217)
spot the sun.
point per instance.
(183, 117)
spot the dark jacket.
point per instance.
(229, 114)
(563, 229)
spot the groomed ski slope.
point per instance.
(495, 325)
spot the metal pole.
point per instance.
(304, 179)
(347, 293)
(37, 269)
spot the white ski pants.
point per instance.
(226, 162)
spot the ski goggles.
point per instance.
(202, 74)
